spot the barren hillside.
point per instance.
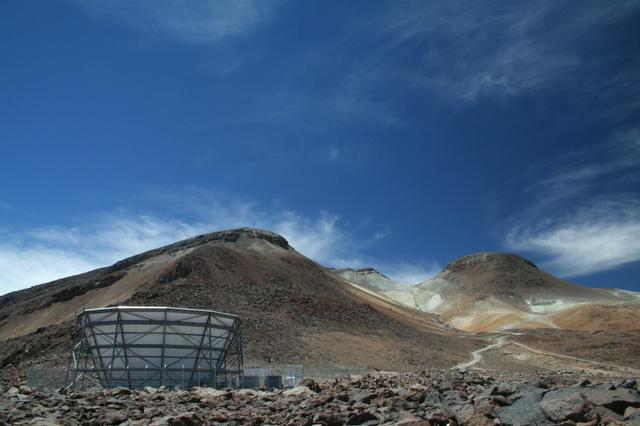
(498, 291)
(292, 309)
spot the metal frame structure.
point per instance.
(137, 346)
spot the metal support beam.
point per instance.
(122, 347)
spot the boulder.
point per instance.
(634, 420)
(631, 411)
(616, 400)
(564, 404)
(525, 410)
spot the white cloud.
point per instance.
(22, 267)
(47, 253)
(195, 21)
(595, 239)
(584, 218)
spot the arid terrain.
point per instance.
(292, 309)
(484, 316)
(503, 291)
(423, 399)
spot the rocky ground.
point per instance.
(429, 398)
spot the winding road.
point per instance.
(501, 340)
(477, 355)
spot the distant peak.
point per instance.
(496, 258)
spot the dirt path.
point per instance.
(501, 340)
(572, 358)
(477, 355)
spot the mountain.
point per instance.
(295, 311)
(370, 280)
(292, 309)
(493, 291)
(497, 291)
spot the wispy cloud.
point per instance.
(596, 238)
(465, 50)
(585, 219)
(47, 253)
(194, 21)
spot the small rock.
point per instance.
(504, 389)
(413, 421)
(12, 391)
(437, 416)
(39, 421)
(25, 390)
(206, 393)
(480, 420)
(298, 391)
(311, 384)
(328, 419)
(500, 400)
(164, 421)
(360, 418)
(364, 397)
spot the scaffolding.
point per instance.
(135, 346)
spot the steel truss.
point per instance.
(136, 347)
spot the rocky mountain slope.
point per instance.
(292, 309)
(497, 291)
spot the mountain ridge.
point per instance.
(493, 291)
(293, 310)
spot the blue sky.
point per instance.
(394, 134)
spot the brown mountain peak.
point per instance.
(495, 259)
